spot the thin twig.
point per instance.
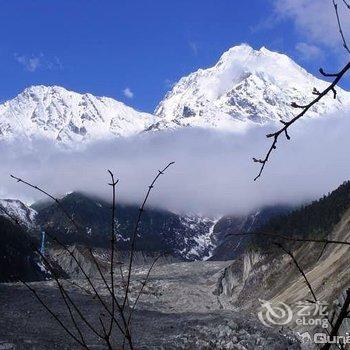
(64, 294)
(56, 200)
(287, 238)
(88, 279)
(346, 4)
(136, 228)
(284, 130)
(342, 315)
(345, 45)
(113, 184)
(62, 290)
(143, 286)
(299, 268)
(106, 336)
(121, 311)
(53, 314)
(11, 217)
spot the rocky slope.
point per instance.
(187, 237)
(176, 311)
(267, 273)
(17, 210)
(18, 259)
(227, 232)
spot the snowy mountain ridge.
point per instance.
(246, 87)
(55, 113)
(14, 209)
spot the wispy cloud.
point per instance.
(309, 52)
(128, 93)
(32, 63)
(194, 47)
(315, 20)
(55, 63)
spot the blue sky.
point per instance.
(134, 50)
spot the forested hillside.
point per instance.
(316, 219)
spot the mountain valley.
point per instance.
(212, 271)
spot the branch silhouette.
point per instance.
(121, 310)
(319, 96)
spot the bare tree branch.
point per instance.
(346, 4)
(113, 184)
(345, 45)
(56, 200)
(37, 296)
(11, 217)
(284, 130)
(120, 309)
(342, 315)
(319, 95)
(88, 279)
(136, 229)
(287, 238)
(299, 268)
(143, 286)
(69, 303)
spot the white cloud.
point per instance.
(309, 52)
(30, 63)
(315, 19)
(128, 93)
(55, 63)
(194, 47)
(213, 172)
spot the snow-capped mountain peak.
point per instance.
(17, 210)
(55, 113)
(244, 87)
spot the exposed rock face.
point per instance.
(271, 271)
(234, 277)
(227, 233)
(18, 260)
(187, 237)
(64, 260)
(274, 277)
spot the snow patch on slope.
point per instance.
(200, 245)
(13, 208)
